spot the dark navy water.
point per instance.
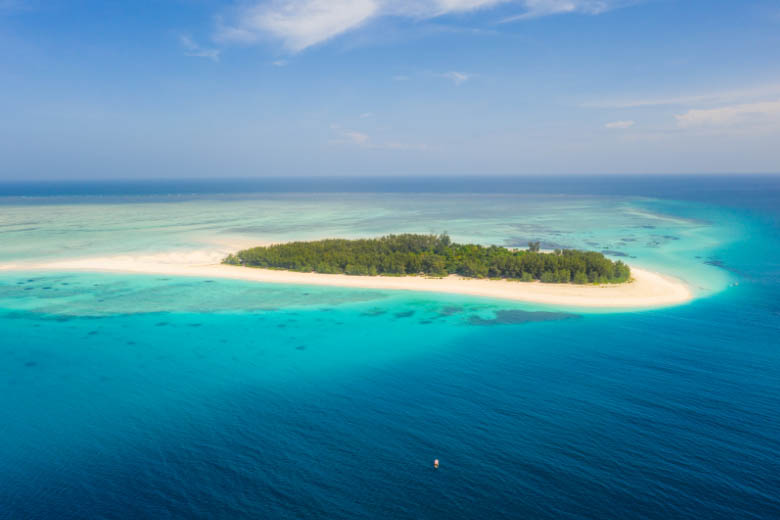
(707, 187)
(144, 397)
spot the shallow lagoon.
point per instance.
(660, 235)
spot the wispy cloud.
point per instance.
(620, 124)
(400, 77)
(723, 96)
(193, 49)
(458, 78)
(363, 140)
(358, 138)
(366, 115)
(442, 7)
(766, 113)
(300, 24)
(538, 8)
(741, 111)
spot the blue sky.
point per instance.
(200, 88)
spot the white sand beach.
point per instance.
(646, 290)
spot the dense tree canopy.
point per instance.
(434, 255)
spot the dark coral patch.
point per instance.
(516, 317)
(450, 310)
(373, 312)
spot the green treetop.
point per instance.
(434, 255)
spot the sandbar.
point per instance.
(646, 289)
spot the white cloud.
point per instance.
(366, 115)
(357, 137)
(620, 124)
(537, 8)
(747, 114)
(457, 78)
(279, 63)
(749, 111)
(193, 49)
(300, 24)
(448, 6)
(743, 95)
(353, 137)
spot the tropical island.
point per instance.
(434, 256)
(571, 278)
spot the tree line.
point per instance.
(434, 255)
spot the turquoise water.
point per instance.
(665, 235)
(154, 397)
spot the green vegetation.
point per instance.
(434, 255)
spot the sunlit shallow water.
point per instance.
(665, 235)
(144, 396)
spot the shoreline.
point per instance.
(647, 289)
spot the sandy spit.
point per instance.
(646, 290)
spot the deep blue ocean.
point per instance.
(128, 396)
